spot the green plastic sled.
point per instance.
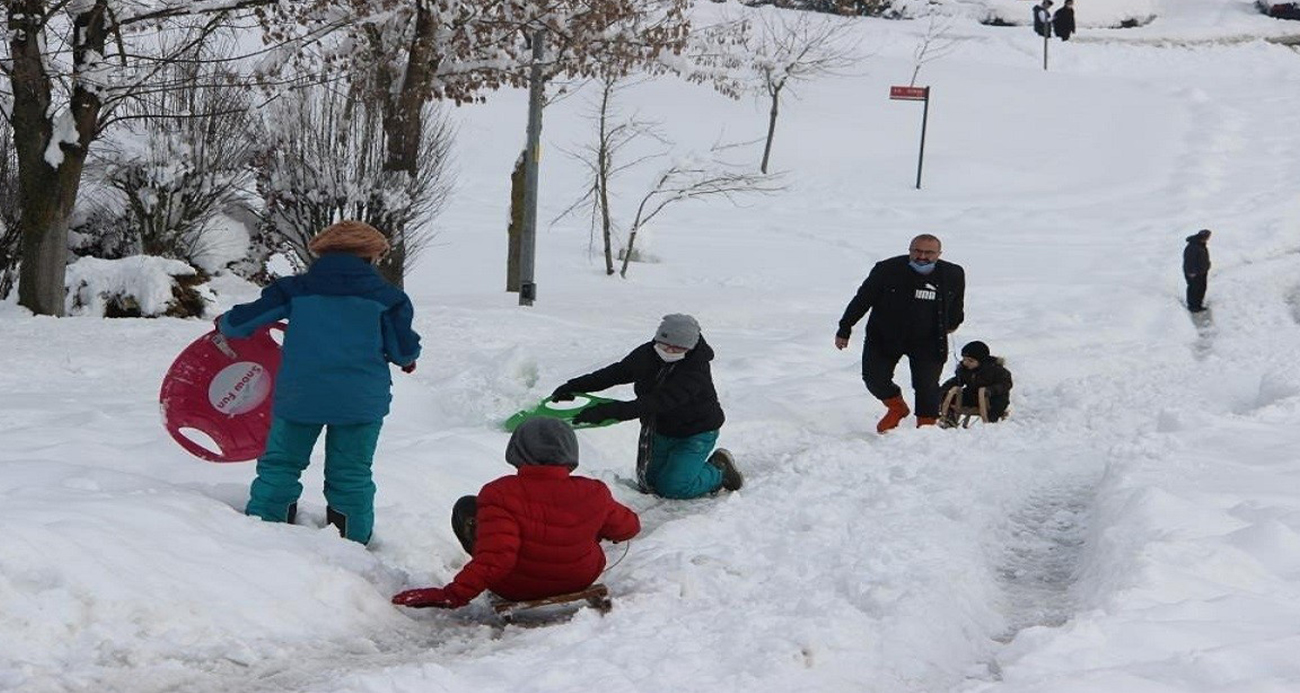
(561, 410)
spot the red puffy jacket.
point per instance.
(539, 535)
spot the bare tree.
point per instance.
(604, 161)
(68, 66)
(10, 236)
(693, 180)
(796, 47)
(935, 44)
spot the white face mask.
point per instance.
(669, 356)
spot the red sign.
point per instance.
(909, 93)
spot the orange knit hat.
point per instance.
(350, 236)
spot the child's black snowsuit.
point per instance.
(992, 375)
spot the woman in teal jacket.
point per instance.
(346, 324)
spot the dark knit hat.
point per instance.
(543, 440)
(678, 330)
(976, 350)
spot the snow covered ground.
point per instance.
(1134, 526)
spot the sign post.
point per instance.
(915, 94)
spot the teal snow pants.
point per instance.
(679, 467)
(349, 488)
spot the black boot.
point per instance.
(337, 519)
(732, 479)
(463, 522)
(293, 513)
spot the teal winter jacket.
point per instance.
(346, 324)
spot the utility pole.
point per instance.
(532, 155)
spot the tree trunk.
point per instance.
(404, 126)
(606, 222)
(775, 92)
(603, 163)
(47, 191)
(515, 229)
(627, 252)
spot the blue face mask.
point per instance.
(923, 268)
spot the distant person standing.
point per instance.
(1196, 269)
(915, 300)
(1043, 18)
(1063, 21)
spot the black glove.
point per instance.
(595, 413)
(562, 394)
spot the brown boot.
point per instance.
(926, 421)
(896, 412)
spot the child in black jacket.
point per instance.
(677, 406)
(977, 371)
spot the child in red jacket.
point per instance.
(534, 534)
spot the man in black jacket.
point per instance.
(1196, 268)
(1063, 21)
(677, 406)
(915, 300)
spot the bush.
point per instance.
(324, 161)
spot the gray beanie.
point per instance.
(542, 440)
(678, 330)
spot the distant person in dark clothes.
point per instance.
(915, 300)
(979, 370)
(536, 533)
(1196, 269)
(1043, 18)
(1063, 21)
(677, 406)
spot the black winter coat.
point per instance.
(886, 292)
(1196, 256)
(679, 396)
(1063, 22)
(993, 376)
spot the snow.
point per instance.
(1134, 526)
(91, 282)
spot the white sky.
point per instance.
(1135, 525)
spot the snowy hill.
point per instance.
(1134, 526)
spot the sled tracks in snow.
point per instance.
(1040, 559)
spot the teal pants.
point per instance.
(349, 488)
(679, 467)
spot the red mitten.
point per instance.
(409, 368)
(429, 596)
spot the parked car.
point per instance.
(1281, 10)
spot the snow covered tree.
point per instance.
(324, 160)
(69, 66)
(181, 157)
(405, 53)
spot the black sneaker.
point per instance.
(732, 479)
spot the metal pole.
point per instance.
(532, 155)
(1047, 36)
(925, 115)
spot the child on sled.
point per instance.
(536, 533)
(981, 384)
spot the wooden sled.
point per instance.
(596, 596)
(952, 413)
